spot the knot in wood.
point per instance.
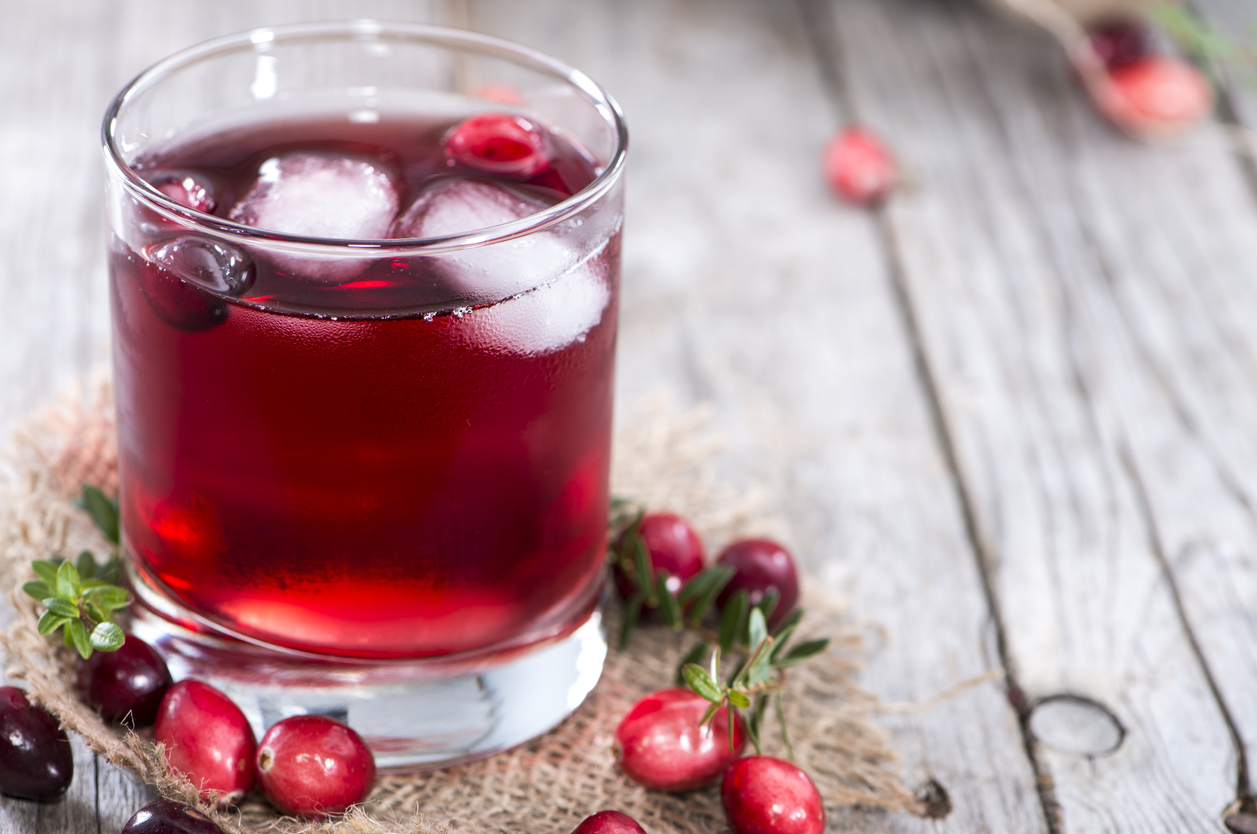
(1076, 725)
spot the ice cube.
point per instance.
(323, 196)
(549, 317)
(497, 270)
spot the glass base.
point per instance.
(413, 714)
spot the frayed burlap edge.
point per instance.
(663, 459)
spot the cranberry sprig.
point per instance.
(80, 597)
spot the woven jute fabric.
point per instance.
(664, 460)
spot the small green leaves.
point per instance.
(107, 637)
(802, 652)
(701, 682)
(103, 511)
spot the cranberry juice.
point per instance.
(372, 457)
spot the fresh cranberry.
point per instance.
(761, 565)
(166, 816)
(36, 761)
(763, 795)
(126, 685)
(608, 822)
(312, 766)
(180, 304)
(673, 546)
(859, 167)
(185, 189)
(660, 744)
(1153, 95)
(1120, 43)
(498, 143)
(208, 739)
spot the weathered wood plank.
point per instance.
(749, 286)
(1044, 258)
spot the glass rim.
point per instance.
(367, 30)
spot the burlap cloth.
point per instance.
(663, 459)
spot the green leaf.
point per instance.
(701, 682)
(107, 637)
(789, 622)
(632, 613)
(709, 714)
(62, 607)
(739, 699)
(86, 565)
(46, 571)
(107, 597)
(668, 608)
(737, 671)
(644, 577)
(38, 589)
(695, 655)
(103, 510)
(803, 651)
(720, 576)
(759, 668)
(730, 618)
(68, 584)
(755, 722)
(768, 604)
(78, 635)
(109, 572)
(50, 622)
(97, 614)
(756, 628)
(782, 637)
(781, 720)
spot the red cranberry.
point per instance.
(859, 167)
(208, 739)
(763, 795)
(1154, 95)
(608, 822)
(659, 743)
(311, 766)
(673, 546)
(761, 565)
(498, 143)
(168, 817)
(36, 761)
(1119, 43)
(185, 189)
(126, 685)
(180, 304)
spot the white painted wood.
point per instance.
(1032, 231)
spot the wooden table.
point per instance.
(1012, 416)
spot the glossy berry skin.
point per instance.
(608, 822)
(763, 795)
(673, 546)
(208, 739)
(501, 144)
(1120, 43)
(660, 745)
(168, 817)
(1154, 96)
(761, 564)
(126, 685)
(311, 766)
(36, 761)
(859, 167)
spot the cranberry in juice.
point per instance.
(365, 458)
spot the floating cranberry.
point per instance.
(186, 189)
(763, 795)
(1120, 43)
(761, 565)
(178, 303)
(168, 817)
(208, 739)
(673, 546)
(498, 143)
(1153, 95)
(608, 822)
(659, 743)
(312, 766)
(36, 761)
(859, 167)
(126, 685)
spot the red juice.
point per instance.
(368, 460)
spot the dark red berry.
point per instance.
(185, 189)
(178, 303)
(761, 565)
(166, 816)
(36, 761)
(859, 167)
(1119, 43)
(763, 795)
(126, 685)
(659, 743)
(1153, 96)
(501, 144)
(608, 822)
(312, 766)
(673, 546)
(208, 739)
